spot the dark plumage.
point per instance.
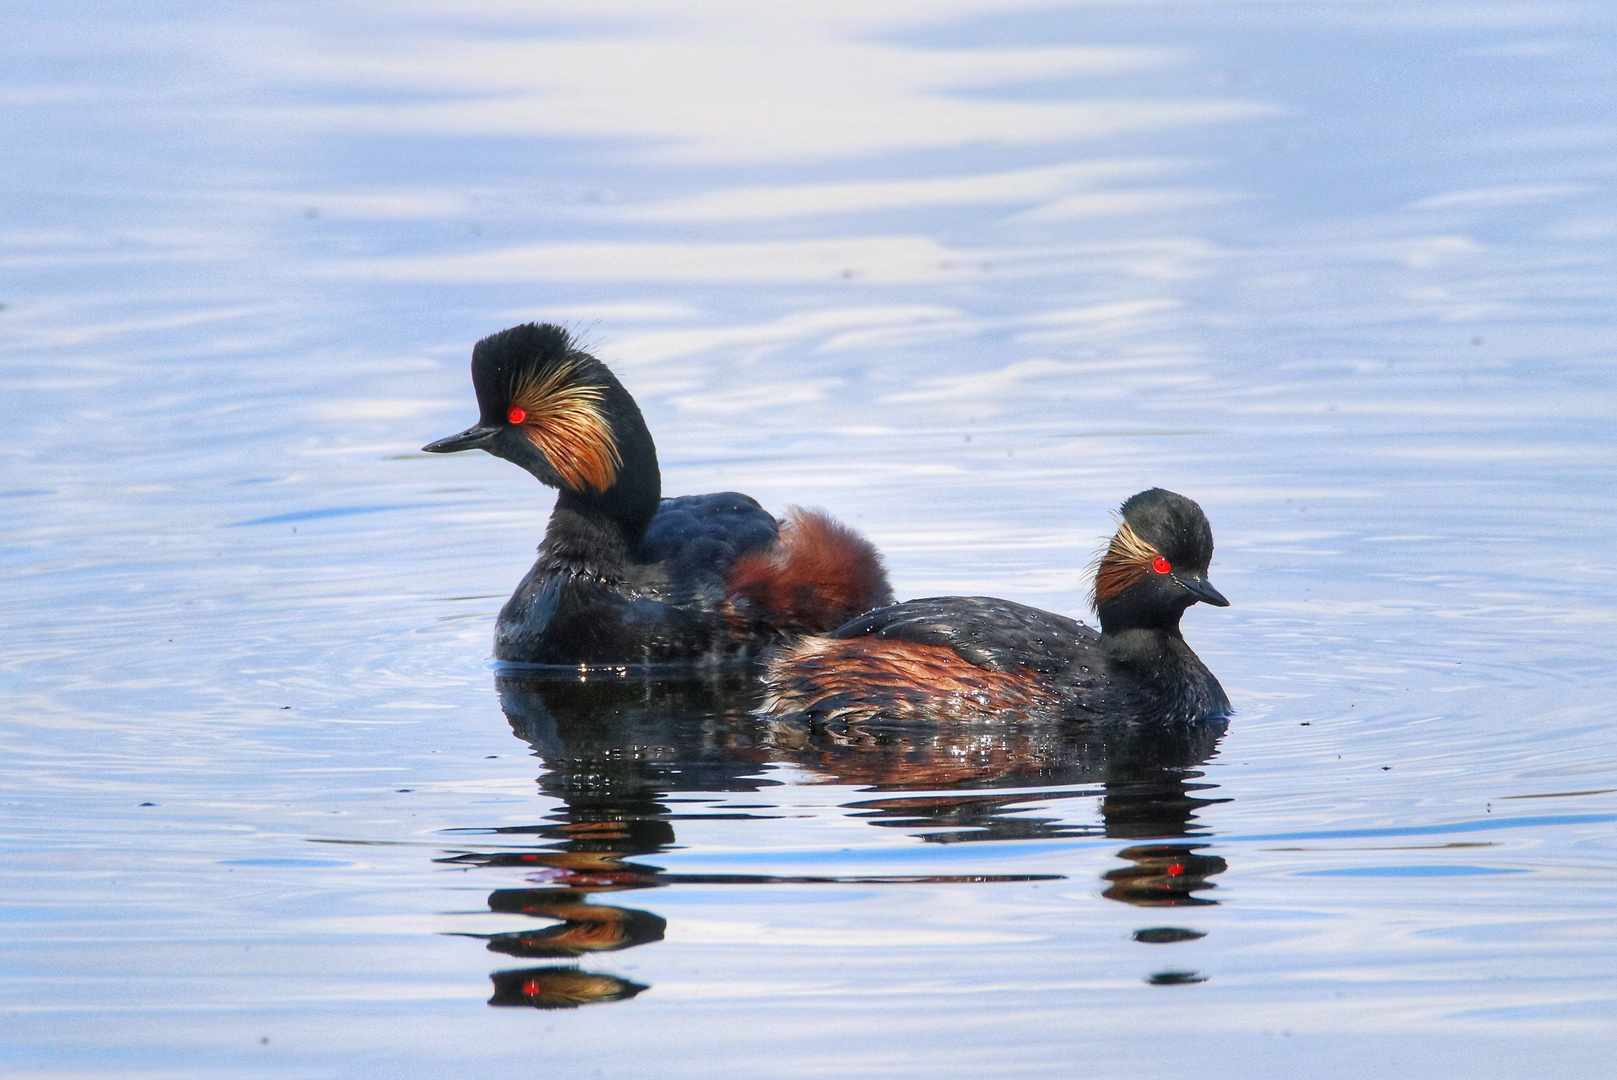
(625, 577)
(980, 658)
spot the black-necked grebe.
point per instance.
(979, 658)
(625, 576)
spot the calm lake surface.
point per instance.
(967, 274)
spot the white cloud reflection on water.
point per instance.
(1038, 187)
(739, 84)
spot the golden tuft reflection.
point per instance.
(559, 988)
(1164, 875)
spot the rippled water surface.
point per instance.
(967, 274)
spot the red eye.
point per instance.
(516, 415)
(1161, 565)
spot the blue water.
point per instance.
(965, 274)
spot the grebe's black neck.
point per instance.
(630, 501)
(1143, 635)
(582, 540)
(600, 531)
(1140, 645)
(1142, 610)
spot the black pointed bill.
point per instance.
(473, 438)
(1203, 590)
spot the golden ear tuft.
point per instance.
(1125, 561)
(565, 420)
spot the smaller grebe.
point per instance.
(625, 576)
(979, 658)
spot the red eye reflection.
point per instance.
(1161, 565)
(516, 415)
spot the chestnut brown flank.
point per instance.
(861, 678)
(815, 577)
(564, 420)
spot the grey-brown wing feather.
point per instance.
(995, 634)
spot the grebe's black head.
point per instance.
(1156, 565)
(555, 410)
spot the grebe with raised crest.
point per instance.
(624, 576)
(980, 658)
